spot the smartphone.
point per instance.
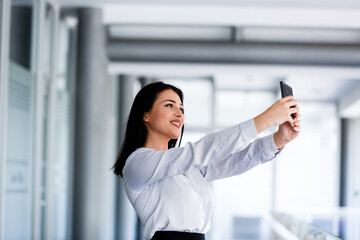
(286, 90)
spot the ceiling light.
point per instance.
(161, 32)
(299, 35)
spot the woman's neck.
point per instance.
(159, 144)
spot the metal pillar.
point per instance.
(93, 215)
(126, 217)
(36, 70)
(51, 125)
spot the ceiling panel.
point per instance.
(254, 3)
(246, 82)
(278, 18)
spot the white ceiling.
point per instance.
(300, 13)
(309, 83)
(273, 3)
(235, 15)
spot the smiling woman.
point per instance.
(136, 131)
(164, 121)
(167, 186)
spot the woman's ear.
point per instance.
(146, 117)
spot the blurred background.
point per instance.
(69, 70)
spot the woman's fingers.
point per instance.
(293, 110)
(297, 128)
(287, 98)
(291, 103)
(297, 123)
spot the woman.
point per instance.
(168, 186)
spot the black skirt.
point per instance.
(172, 235)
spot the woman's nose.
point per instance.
(179, 112)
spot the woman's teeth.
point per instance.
(175, 123)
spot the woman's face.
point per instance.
(166, 118)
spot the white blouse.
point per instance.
(169, 189)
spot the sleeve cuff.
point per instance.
(270, 149)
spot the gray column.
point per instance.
(94, 182)
(126, 218)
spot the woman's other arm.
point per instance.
(146, 166)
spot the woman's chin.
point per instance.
(175, 136)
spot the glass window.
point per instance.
(63, 138)
(241, 201)
(307, 169)
(136, 88)
(18, 185)
(20, 33)
(17, 218)
(237, 106)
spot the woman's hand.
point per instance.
(277, 114)
(280, 114)
(287, 133)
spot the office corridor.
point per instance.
(69, 71)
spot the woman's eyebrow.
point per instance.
(172, 101)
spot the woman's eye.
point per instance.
(172, 105)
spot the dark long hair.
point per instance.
(136, 133)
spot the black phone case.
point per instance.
(286, 90)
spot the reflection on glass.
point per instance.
(18, 184)
(301, 229)
(342, 222)
(20, 33)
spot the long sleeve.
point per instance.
(259, 151)
(146, 166)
